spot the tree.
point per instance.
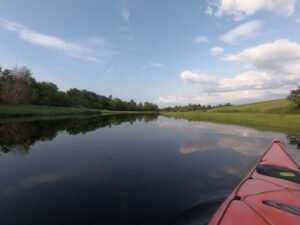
(140, 107)
(132, 106)
(17, 86)
(150, 107)
(118, 104)
(85, 98)
(49, 94)
(295, 97)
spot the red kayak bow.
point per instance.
(269, 194)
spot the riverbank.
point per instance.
(7, 110)
(286, 123)
(20, 112)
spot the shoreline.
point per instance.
(35, 112)
(287, 123)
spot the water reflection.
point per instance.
(294, 140)
(123, 169)
(19, 136)
(244, 141)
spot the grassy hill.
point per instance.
(279, 106)
(276, 115)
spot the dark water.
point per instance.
(123, 170)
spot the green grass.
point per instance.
(7, 110)
(28, 112)
(279, 106)
(274, 122)
(276, 115)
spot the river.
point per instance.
(123, 170)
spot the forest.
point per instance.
(18, 86)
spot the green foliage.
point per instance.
(48, 94)
(295, 97)
(17, 86)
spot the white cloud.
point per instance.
(272, 65)
(209, 10)
(125, 11)
(191, 77)
(40, 39)
(201, 39)
(153, 65)
(298, 20)
(240, 9)
(250, 80)
(216, 51)
(244, 30)
(273, 69)
(50, 41)
(280, 57)
(156, 65)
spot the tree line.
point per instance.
(18, 86)
(193, 107)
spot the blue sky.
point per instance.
(169, 52)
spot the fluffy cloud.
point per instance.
(298, 20)
(244, 30)
(49, 41)
(250, 80)
(201, 39)
(216, 51)
(278, 57)
(273, 70)
(272, 65)
(191, 77)
(240, 9)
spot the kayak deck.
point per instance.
(267, 196)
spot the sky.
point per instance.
(170, 52)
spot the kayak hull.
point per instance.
(258, 199)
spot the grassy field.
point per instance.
(44, 112)
(279, 106)
(277, 115)
(273, 122)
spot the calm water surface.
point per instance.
(123, 170)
